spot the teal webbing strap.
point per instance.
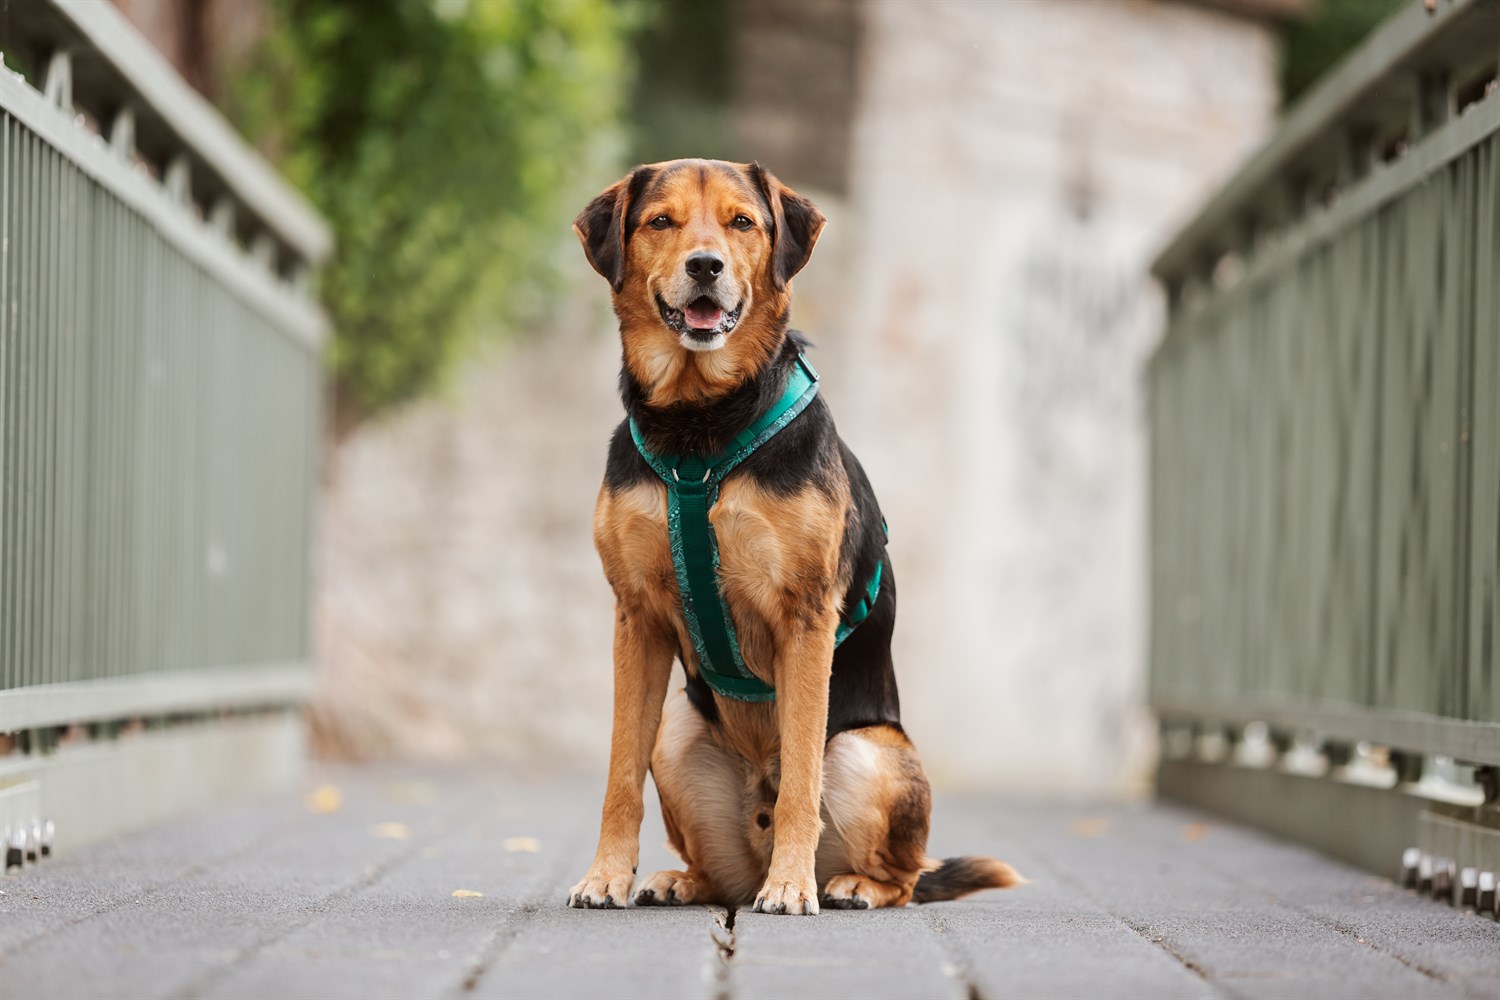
(692, 489)
(854, 616)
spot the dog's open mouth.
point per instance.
(700, 320)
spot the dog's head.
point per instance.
(699, 255)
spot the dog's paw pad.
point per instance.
(844, 902)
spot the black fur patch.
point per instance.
(910, 815)
(607, 222)
(959, 877)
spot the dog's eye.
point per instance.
(661, 222)
(742, 222)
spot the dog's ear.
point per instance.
(796, 225)
(603, 226)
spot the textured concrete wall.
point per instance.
(982, 316)
(1015, 166)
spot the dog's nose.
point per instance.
(704, 268)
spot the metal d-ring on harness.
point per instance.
(692, 483)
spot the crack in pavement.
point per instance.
(722, 934)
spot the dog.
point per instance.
(805, 791)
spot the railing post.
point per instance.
(221, 217)
(1433, 103)
(1359, 154)
(263, 249)
(57, 86)
(122, 134)
(179, 180)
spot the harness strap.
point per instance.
(692, 483)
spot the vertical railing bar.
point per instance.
(105, 499)
(70, 279)
(34, 381)
(33, 431)
(52, 334)
(201, 552)
(150, 466)
(83, 281)
(111, 553)
(195, 572)
(57, 611)
(1466, 199)
(20, 324)
(167, 484)
(133, 293)
(120, 332)
(21, 299)
(181, 467)
(19, 304)
(88, 288)
(7, 418)
(63, 454)
(161, 480)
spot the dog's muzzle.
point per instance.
(702, 323)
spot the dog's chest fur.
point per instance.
(778, 560)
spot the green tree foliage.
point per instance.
(445, 141)
(1313, 44)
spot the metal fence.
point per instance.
(159, 402)
(1325, 427)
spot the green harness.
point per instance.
(692, 489)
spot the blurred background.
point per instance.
(997, 176)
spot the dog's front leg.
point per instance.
(643, 664)
(802, 675)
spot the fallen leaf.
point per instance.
(323, 800)
(522, 845)
(393, 831)
(466, 893)
(1194, 832)
(1088, 827)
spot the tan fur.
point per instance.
(714, 798)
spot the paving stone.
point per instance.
(856, 953)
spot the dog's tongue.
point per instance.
(703, 314)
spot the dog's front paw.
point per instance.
(669, 888)
(796, 897)
(601, 891)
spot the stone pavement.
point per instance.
(450, 883)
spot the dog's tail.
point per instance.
(955, 877)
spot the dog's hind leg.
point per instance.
(702, 790)
(876, 806)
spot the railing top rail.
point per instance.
(114, 70)
(1412, 74)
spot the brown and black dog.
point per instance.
(820, 787)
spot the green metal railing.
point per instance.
(160, 394)
(1325, 421)
(1325, 412)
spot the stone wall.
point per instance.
(1015, 166)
